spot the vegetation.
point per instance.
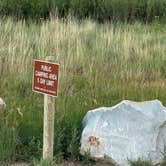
(164, 158)
(101, 10)
(101, 64)
(140, 162)
(44, 163)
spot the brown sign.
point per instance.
(45, 77)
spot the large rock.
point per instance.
(126, 131)
(2, 103)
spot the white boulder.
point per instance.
(126, 131)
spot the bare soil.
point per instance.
(66, 163)
(19, 164)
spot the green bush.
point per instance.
(123, 10)
(25, 9)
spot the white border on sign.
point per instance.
(45, 93)
(46, 62)
(34, 60)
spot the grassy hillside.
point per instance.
(101, 64)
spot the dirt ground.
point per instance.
(70, 164)
(19, 164)
(63, 164)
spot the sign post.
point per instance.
(48, 132)
(45, 80)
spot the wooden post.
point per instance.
(48, 133)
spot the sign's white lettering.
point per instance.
(50, 83)
(46, 68)
(41, 81)
(52, 76)
(41, 74)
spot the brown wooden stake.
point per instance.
(48, 133)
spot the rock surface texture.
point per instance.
(128, 130)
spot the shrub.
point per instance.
(25, 9)
(123, 10)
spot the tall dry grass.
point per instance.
(116, 51)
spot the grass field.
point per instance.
(101, 64)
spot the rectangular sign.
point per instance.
(45, 77)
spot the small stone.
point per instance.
(2, 103)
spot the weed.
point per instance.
(140, 162)
(164, 158)
(43, 162)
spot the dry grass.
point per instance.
(120, 52)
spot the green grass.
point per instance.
(101, 64)
(7, 143)
(44, 163)
(140, 162)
